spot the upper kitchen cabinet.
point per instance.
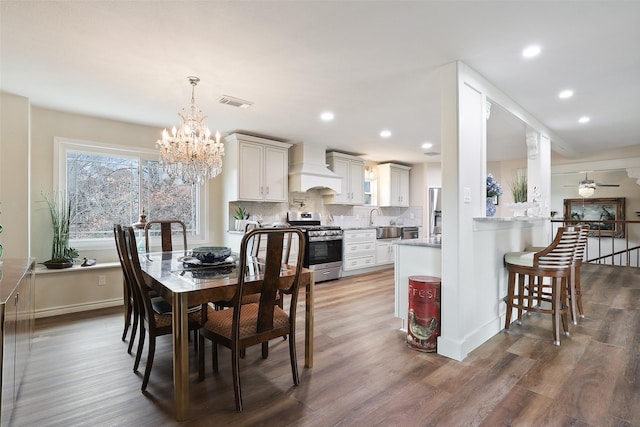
(393, 185)
(257, 169)
(351, 170)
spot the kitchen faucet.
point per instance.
(371, 214)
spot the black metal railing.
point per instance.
(611, 242)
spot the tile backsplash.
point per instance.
(340, 215)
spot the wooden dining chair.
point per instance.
(253, 250)
(167, 227)
(246, 325)
(131, 314)
(153, 321)
(131, 308)
(542, 277)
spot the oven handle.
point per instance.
(324, 238)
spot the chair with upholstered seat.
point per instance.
(574, 290)
(246, 325)
(155, 318)
(542, 280)
(167, 227)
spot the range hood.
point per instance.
(308, 169)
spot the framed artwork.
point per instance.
(604, 209)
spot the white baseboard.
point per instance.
(67, 309)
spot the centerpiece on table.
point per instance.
(62, 255)
(494, 190)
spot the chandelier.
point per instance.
(189, 152)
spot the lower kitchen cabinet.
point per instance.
(359, 249)
(16, 315)
(385, 251)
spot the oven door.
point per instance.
(323, 252)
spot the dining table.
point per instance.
(184, 286)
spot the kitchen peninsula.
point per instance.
(413, 257)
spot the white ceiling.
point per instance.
(374, 64)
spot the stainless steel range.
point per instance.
(323, 249)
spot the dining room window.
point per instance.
(108, 184)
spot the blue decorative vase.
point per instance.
(491, 208)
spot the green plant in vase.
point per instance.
(240, 215)
(519, 187)
(62, 255)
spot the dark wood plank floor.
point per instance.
(79, 373)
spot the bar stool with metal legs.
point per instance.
(529, 270)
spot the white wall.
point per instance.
(14, 175)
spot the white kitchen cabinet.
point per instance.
(16, 321)
(351, 170)
(393, 185)
(385, 251)
(259, 168)
(358, 249)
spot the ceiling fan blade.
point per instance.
(607, 185)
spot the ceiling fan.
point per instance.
(587, 186)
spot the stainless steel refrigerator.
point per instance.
(435, 211)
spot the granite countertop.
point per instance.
(418, 242)
(371, 227)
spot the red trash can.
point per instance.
(424, 313)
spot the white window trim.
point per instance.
(60, 147)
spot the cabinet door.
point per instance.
(341, 168)
(276, 182)
(382, 253)
(356, 183)
(399, 187)
(385, 253)
(10, 332)
(403, 187)
(250, 171)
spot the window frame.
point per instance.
(62, 145)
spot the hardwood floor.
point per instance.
(79, 372)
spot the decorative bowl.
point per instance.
(211, 254)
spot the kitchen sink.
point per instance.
(388, 232)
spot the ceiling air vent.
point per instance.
(234, 102)
(431, 153)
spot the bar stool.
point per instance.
(574, 290)
(530, 269)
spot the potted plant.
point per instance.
(519, 187)
(241, 216)
(61, 254)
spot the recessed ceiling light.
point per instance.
(531, 51)
(584, 119)
(327, 116)
(427, 145)
(567, 93)
(385, 133)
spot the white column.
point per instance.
(539, 169)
